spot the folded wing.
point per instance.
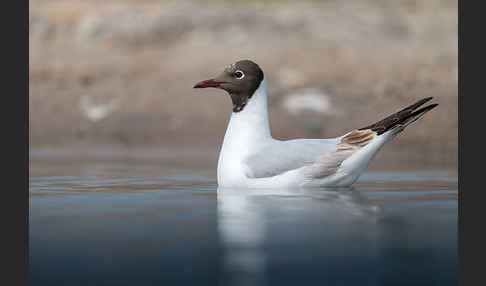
(323, 157)
(320, 157)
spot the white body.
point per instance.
(248, 136)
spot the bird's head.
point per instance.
(240, 80)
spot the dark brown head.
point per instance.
(240, 80)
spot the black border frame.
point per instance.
(16, 202)
(15, 82)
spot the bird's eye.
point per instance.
(239, 74)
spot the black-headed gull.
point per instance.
(251, 158)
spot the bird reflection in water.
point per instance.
(245, 216)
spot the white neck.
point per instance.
(252, 122)
(247, 130)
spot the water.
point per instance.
(129, 223)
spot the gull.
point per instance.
(251, 158)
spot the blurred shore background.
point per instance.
(113, 79)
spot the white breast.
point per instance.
(248, 130)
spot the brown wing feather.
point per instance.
(328, 163)
(356, 139)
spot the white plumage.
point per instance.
(251, 158)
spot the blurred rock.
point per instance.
(308, 100)
(97, 111)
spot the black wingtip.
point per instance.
(427, 99)
(417, 104)
(401, 116)
(425, 109)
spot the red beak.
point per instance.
(208, 83)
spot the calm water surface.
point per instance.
(130, 223)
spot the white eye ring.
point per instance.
(242, 74)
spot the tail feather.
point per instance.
(401, 118)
